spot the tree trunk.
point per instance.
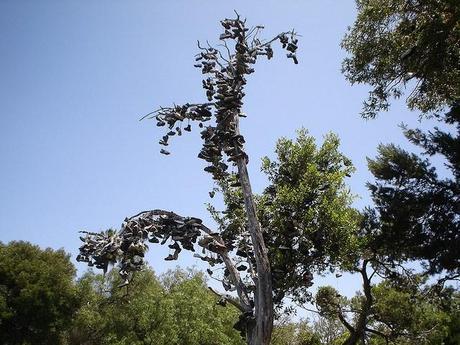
(263, 295)
(263, 299)
(358, 332)
(251, 335)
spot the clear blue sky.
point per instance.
(75, 76)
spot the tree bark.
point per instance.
(263, 298)
(358, 331)
(251, 335)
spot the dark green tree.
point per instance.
(399, 45)
(37, 294)
(418, 207)
(373, 259)
(411, 224)
(394, 46)
(417, 203)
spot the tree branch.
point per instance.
(233, 301)
(381, 334)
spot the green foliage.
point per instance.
(176, 309)
(37, 294)
(453, 310)
(398, 315)
(306, 210)
(395, 45)
(200, 321)
(132, 315)
(329, 302)
(289, 333)
(399, 44)
(391, 43)
(329, 331)
(406, 317)
(418, 210)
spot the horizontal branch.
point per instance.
(230, 299)
(158, 226)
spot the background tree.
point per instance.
(138, 314)
(397, 314)
(452, 308)
(419, 209)
(399, 44)
(240, 242)
(329, 330)
(395, 45)
(416, 202)
(37, 294)
(287, 332)
(174, 309)
(199, 316)
(373, 259)
(402, 315)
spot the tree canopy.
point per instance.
(37, 294)
(396, 45)
(306, 210)
(419, 206)
(416, 202)
(397, 315)
(176, 308)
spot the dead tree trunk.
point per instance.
(225, 70)
(259, 333)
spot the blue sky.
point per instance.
(76, 76)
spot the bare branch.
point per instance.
(227, 298)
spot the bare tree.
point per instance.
(242, 252)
